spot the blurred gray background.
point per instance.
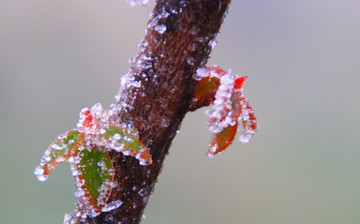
(302, 59)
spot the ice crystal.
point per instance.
(111, 206)
(213, 43)
(160, 28)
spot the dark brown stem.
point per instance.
(156, 93)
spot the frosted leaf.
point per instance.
(96, 172)
(223, 90)
(86, 149)
(52, 157)
(138, 2)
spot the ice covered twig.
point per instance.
(155, 99)
(223, 90)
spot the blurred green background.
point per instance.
(302, 59)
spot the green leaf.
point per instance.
(96, 171)
(65, 146)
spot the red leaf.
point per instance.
(220, 141)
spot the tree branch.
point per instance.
(156, 93)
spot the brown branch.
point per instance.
(156, 93)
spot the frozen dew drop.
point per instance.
(127, 152)
(79, 193)
(42, 178)
(71, 160)
(210, 155)
(245, 138)
(190, 61)
(117, 96)
(213, 43)
(113, 184)
(67, 219)
(118, 148)
(160, 28)
(57, 147)
(96, 109)
(60, 159)
(215, 128)
(117, 137)
(144, 162)
(201, 73)
(102, 131)
(39, 171)
(136, 84)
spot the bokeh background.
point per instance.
(302, 59)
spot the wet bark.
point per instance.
(156, 93)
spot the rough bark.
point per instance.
(156, 93)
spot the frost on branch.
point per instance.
(224, 91)
(87, 149)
